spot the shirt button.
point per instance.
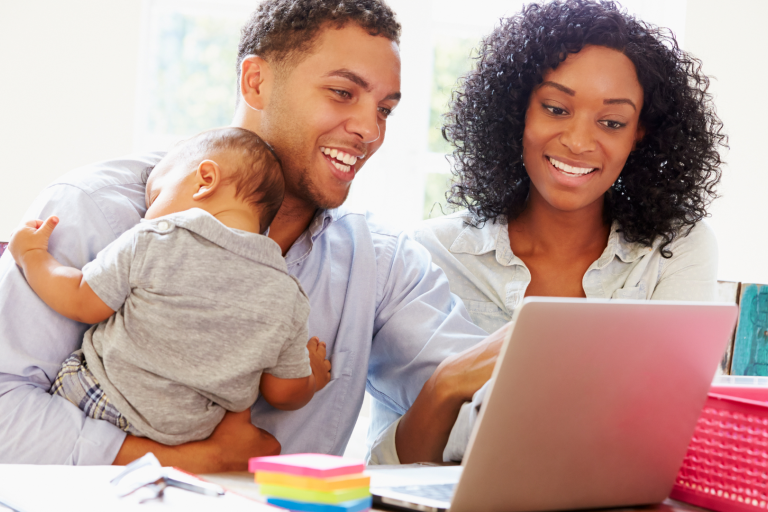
(163, 225)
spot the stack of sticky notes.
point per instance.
(311, 482)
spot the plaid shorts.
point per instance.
(76, 383)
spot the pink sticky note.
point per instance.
(307, 464)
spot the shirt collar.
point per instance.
(301, 248)
(495, 237)
(619, 247)
(320, 222)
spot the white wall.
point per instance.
(67, 91)
(731, 39)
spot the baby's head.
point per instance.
(227, 170)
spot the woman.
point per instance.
(586, 154)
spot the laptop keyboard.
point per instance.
(440, 492)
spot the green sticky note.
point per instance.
(292, 493)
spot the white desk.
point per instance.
(29, 488)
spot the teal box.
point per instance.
(750, 348)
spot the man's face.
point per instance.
(327, 114)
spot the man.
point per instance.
(317, 81)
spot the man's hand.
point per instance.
(229, 447)
(33, 235)
(424, 429)
(321, 367)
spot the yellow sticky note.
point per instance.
(335, 483)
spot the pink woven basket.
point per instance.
(726, 467)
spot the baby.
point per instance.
(194, 308)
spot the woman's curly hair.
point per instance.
(669, 178)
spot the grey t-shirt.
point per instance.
(200, 311)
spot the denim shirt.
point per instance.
(384, 310)
(492, 281)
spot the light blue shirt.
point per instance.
(384, 310)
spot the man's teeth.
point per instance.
(570, 169)
(341, 156)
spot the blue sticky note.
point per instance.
(303, 506)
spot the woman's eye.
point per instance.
(555, 110)
(613, 125)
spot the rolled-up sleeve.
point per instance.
(419, 323)
(35, 427)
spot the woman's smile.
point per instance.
(571, 170)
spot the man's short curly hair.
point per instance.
(670, 177)
(284, 30)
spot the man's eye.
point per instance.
(385, 112)
(555, 110)
(342, 93)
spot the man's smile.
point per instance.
(341, 160)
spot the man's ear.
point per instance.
(256, 78)
(207, 179)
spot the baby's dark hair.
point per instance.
(258, 176)
(283, 30)
(670, 178)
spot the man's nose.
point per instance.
(579, 135)
(364, 122)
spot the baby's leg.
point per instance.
(76, 383)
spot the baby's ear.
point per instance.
(207, 179)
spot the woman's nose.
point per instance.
(579, 136)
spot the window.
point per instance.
(188, 85)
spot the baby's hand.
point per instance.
(32, 235)
(321, 367)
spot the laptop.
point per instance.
(592, 404)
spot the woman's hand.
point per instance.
(462, 374)
(424, 430)
(229, 447)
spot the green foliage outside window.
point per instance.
(435, 187)
(193, 75)
(452, 60)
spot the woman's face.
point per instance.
(581, 124)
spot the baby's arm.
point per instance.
(292, 394)
(62, 288)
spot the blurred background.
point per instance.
(88, 80)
